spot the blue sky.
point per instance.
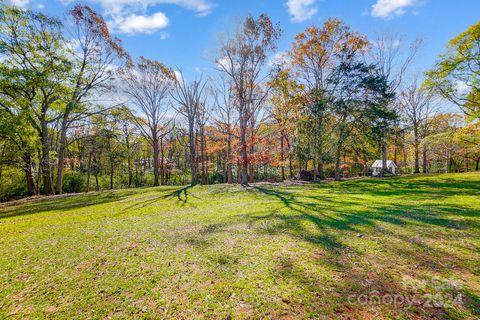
(183, 33)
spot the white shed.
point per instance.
(377, 167)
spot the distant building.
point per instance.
(377, 167)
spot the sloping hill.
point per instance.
(377, 248)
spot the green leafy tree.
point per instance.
(33, 74)
(456, 76)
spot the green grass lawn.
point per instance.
(403, 248)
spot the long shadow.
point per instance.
(61, 205)
(294, 224)
(393, 213)
(178, 194)
(143, 202)
(328, 213)
(411, 185)
(285, 197)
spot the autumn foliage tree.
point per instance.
(242, 58)
(148, 84)
(286, 100)
(316, 55)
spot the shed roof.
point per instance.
(378, 164)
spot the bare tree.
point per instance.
(257, 117)
(418, 106)
(148, 85)
(389, 55)
(95, 53)
(189, 97)
(225, 113)
(203, 115)
(242, 58)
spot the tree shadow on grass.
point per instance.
(334, 220)
(411, 185)
(178, 194)
(343, 214)
(62, 205)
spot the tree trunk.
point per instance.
(282, 156)
(202, 155)
(424, 159)
(319, 145)
(290, 165)
(447, 161)
(229, 158)
(251, 166)
(97, 185)
(339, 149)
(395, 149)
(239, 171)
(244, 154)
(89, 170)
(27, 159)
(466, 161)
(162, 162)
(112, 169)
(39, 176)
(156, 159)
(191, 138)
(129, 161)
(321, 174)
(61, 154)
(365, 165)
(45, 163)
(337, 163)
(384, 158)
(136, 171)
(477, 164)
(1, 162)
(416, 166)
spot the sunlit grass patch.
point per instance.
(405, 247)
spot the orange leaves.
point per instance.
(313, 48)
(91, 23)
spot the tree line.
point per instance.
(79, 114)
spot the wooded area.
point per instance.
(77, 113)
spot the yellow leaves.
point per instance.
(314, 47)
(472, 34)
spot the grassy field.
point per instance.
(403, 248)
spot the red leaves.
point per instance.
(92, 23)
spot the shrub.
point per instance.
(73, 183)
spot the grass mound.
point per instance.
(405, 247)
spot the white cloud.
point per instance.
(131, 16)
(301, 10)
(389, 8)
(280, 58)
(164, 35)
(20, 3)
(133, 23)
(73, 45)
(178, 75)
(462, 87)
(116, 7)
(224, 63)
